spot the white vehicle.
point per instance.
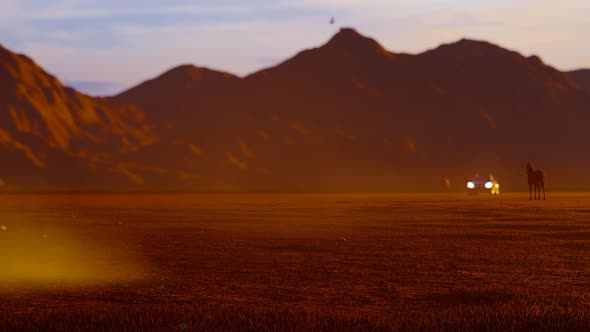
(480, 183)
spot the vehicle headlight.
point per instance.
(489, 185)
(470, 185)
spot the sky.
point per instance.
(103, 47)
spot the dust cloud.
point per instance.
(53, 256)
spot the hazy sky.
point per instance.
(103, 46)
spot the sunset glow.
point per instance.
(133, 39)
(283, 165)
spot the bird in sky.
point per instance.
(332, 21)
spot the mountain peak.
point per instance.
(4, 50)
(180, 85)
(347, 33)
(6, 55)
(183, 77)
(467, 49)
(191, 73)
(350, 39)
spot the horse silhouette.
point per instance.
(536, 179)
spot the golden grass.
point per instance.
(302, 262)
(518, 315)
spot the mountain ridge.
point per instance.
(347, 115)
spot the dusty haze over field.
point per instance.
(38, 252)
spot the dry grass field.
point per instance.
(294, 262)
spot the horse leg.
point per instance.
(537, 192)
(543, 191)
(530, 192)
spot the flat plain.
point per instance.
(294, 262)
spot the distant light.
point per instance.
(470, 185)
(489, 185)
(497, 185)
(2, 228)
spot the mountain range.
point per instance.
(346, 116)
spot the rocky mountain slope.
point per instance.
(346, 116)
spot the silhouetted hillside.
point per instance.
(180, 89)
(52, 136)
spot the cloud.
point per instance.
(268, 61)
